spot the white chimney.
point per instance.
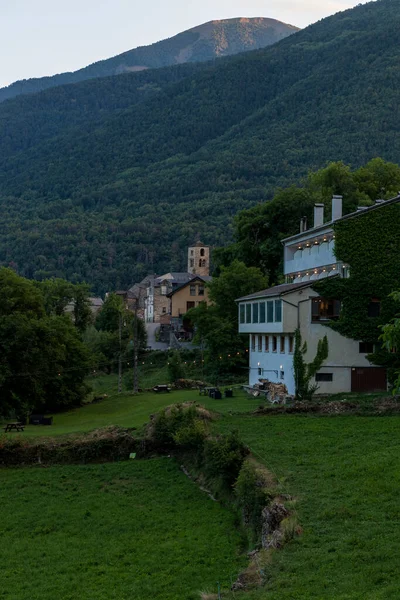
(318, 215)
(337, 207)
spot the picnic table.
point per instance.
(14, 427)
(161, 388)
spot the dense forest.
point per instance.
(105, 193)
(203, 43)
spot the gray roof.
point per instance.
(96, 301)
(277, 290)
(204, 278)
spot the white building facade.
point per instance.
(271, 317)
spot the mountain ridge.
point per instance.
(110, 201)
(201, 43)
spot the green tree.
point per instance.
(217, 324)
(43, 363)
(391, 340)
(303, 372)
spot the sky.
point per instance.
(44, 37)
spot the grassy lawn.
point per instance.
(123, 531)
(345, 473)
(343, 470)
(128, 410)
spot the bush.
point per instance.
(174, 426)
(102, 445)
(224, 456)
(254, 489)
(175, 367)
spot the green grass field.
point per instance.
(128, 410)
(345, 474)
(343, 470)
(126, 531)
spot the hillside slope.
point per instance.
(205, 42)
(110, 201)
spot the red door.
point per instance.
(368, 379)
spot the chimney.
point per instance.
(318, 215)
(337, 207)
(303, 224)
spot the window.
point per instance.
(192, 262)
(242, 313)
(191, 253)
(278, 311)
(260, 343)
(163, 290)
(190, 305)
(192, 290)
(255, 312)
(291, 344)
(164, 310)
(374, 308)
(282, 344)
(270, 311)
(248, 313)
(260, 372)
(200, 261)
(201, 290)
(253, 343)
(324, 377)
(266, 346)
(365, 348)
(262, 312)
(202, 252)
(274, 343)
(324, 309)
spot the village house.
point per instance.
(157, 299)
(270, 317)
(187, 296)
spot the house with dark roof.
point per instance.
(270, 317)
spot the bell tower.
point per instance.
(199, 259)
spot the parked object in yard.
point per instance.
(161, 388)
(40, 420)
(14, 427)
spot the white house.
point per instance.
(271, 316)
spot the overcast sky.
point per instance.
(44, 37)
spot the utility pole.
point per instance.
(120, 355)
(136, 346)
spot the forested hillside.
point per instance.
(130, 189)
(203, 43)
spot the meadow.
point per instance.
(344, 472)
(123, 531)
(345, 475)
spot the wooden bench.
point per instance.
(14, 427)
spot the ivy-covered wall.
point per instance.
(370, 244)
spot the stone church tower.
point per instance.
(199, 259)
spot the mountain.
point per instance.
(203, 43)
(122, 188)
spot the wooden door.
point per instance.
(368, 379)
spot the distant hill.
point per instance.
(110, 178)
(202, 43)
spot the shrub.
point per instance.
(224, 456)
(254, 488)
(176, 425)
(175, 367)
